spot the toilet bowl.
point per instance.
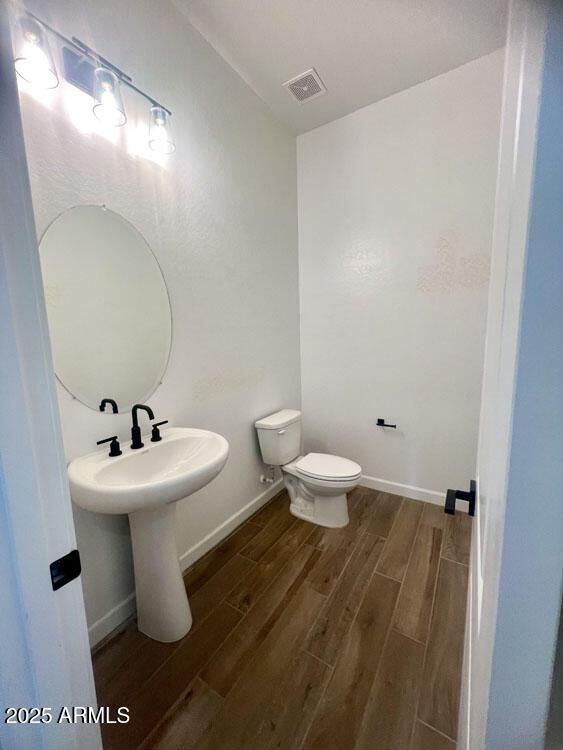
(317, 483)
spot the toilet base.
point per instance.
(319, 505)
(331, 512)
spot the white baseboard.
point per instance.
(122, 611)
(111, 620)
(217, 535)
(405, 490)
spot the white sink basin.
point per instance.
(146, 483)
(184, 461)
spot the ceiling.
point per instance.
(363, 50)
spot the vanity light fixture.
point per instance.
(88, 71)
(33, 60)
(108, 107)
(160, 137)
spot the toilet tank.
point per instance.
(280, 436)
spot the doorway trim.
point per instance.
(519, 121)
(51, 657)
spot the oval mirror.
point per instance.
(108, 307)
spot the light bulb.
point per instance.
(160, 136)
(108, 106)
(33, 60)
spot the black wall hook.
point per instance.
(382, 423)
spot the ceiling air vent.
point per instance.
(306, 86)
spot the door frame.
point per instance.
(45, 660)
(518, 140)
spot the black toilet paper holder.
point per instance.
(382, 423)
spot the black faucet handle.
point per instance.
(156, 436)
(114, 448)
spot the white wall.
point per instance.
(221, 219)
(395, 217)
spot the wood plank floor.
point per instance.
(306, 637)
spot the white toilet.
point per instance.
(317, 483)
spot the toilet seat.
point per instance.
(328, 468)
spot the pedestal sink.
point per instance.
(146, 484)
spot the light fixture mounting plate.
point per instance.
(78, 70)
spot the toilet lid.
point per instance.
(325, 466)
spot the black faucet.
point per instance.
(136, 441)
(105, 401)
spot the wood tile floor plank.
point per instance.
(391, 710)
(397, 550)
(267, 537)
(414, 608)
(272, 683)
(336, 618)
(322, 538)
(205, 568)
(187, 724)
(218, 587)
(295, 701)
(385, 510)
(278, 505)
(332, 561)
(110, 658)
(226, 666)
(426, 738)
(360, 509)
(339, 716)
(139, 668)
(439, 698)
(244, 596)
(168, 686)
(457, 538)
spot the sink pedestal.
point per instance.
(163, 611)
(146, 485)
